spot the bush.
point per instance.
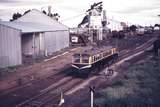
(138, 87)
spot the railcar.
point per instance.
(93, 58)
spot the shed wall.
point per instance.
(10, 47)
(55, 41)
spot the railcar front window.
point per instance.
(76, 58)
(85, 58)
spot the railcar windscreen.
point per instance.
(76, 58)
(85, 58)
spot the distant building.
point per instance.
(115, 25)
(33, 34)
(156, 28)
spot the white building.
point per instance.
(32, 34)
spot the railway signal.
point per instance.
(92, 90)
(61, 100)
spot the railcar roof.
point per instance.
(95, 50)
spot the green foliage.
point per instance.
(137, 87)
(15, 16)
(133, 28)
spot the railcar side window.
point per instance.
(107, 53)
(94, 58)
(98, 57)
(113, 50)
(101, 56)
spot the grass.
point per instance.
(139, 86)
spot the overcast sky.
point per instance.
(72, 11)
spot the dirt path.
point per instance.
(37, 71)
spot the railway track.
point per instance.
(38, 67)
(23, 85)
(125, 56)
(54, 77)
(46, 65)
(50, 96)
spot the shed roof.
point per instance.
(30, 27)
(35, 16)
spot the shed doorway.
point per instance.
(30, 43)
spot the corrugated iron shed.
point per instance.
(33, 34)
(36, 16)
(30, 27)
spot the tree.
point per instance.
(44, 12)
(15, 16)
(55, 16)
(157, 25)
(26, 12)
(133, 28)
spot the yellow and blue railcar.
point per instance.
(94, 58)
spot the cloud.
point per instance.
(120, 9)
(9, 1)
(136, 9)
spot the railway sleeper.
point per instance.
(35, 104)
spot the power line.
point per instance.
(73, 17)
(114, 20)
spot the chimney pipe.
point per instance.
(49, 10)
(104, 15)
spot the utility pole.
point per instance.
(92, 91)
(158, 23)
(158, 15)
